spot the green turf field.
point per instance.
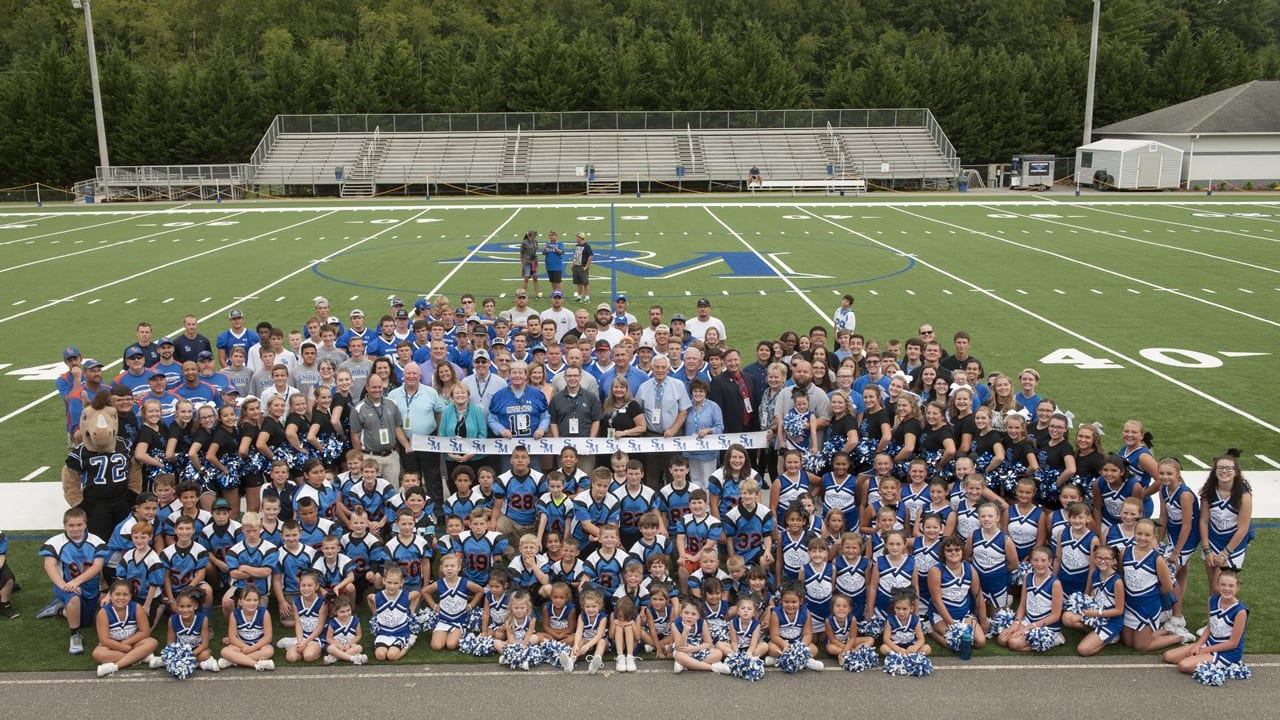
(44, 642)
(1159, 308)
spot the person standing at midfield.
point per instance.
(553, 252)
(582, 255)
(529, 261)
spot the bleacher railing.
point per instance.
(174, 174)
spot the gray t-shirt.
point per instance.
(359, 374)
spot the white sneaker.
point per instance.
(224, 663)
(620, 664)
(287, 642)
(678, 668)
(262, 665)
(567, 661)
(76, 646)
(1186, 636)
(329, 660)
(153, 662)
(815, 665)
(770, 661)
(648, 648)
(1176, 622)
(594, 664)
(413, 639)
(1201, 631)
(210, 665)
(721, 668)
(359, 659)
(631, 663)
(106, 669)
(1163, 618)
(1058, 639)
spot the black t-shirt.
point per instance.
(872, 422)
(1016, 453)
(183, 435)
(1052, 457)
(983, 444)
(155, 439)
(344, 402)
(299, 425)
(321, 418)
(622, 418)
(228, 442)
(964, 425)
(274, 431)
(840, 427)
(1090, 465)
(934, 438)
(910, 426)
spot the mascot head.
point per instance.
(98, 423)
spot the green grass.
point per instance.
(1105, 277)
(27, 644)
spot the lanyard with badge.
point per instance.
(408, 412)
(384, 435)
(573, 418)
(655, 413)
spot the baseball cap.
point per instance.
(703, 302)
(231, 390)
(235, 313)
(420, 304)
(397, 302)
(165, 341)
(538, 349)
(321, 300)
(221, 504)
(333, 320)
(459, 311)
(620, 320)
(70, 352)
(604, 306)
(474, 319)
(91, 364)
(620, 298)
(134, 351)
(204, 355)
(402, 313)
(357, 313)
(499, 341)
(676, 317)
(557, 294)
(522, 293)
(153, 375)
(647, 344)
(480, 355)
(602, 342)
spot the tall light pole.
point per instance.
(93, 81)
(1093, 68)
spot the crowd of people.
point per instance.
(880, 493)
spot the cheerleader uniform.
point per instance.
(838, 631)
(944, 513)
(790, 629)
(250, 629)
(933, 445)
(1040, 601)
(873, 488)
(559, 619)
(992, 563)
(789, 489)
(1143, 479)
(1222, 622)
(522, 630)
(392, 616)
(817, 592)
(926, 558)
(341, 633)
(1073, 570)
(497, 608)
(189, 635)
(452, 613)
(903, 633)
(966, 518)
(122, 627)
(891, 577)
(1104, 593)
(1223, 522)
(983, 448)
(1024, 528)
(1141, 590)
(662, 623)
(1113, 500)
(308, 615)
(841, 495)
(914, 500)
(743, 632)
(957, 593)
(692, 636)
(851, 580)
(593, 626)
(795, 554)
(1176, 521)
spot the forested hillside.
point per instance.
(198, 80)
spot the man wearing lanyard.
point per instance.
(420, 407)
(377, 430)
(736, 393)
(482, 383)
(666, 403)
(575, 413)
(518, 411)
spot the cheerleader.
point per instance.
(311, 622)
(271, 441)
(987, 446)
(1222, 640)
(223, 456)
(1025, 526)
(150, 446)
(894, 570)
(178, 438)
(124, 633)
(1103, 625)
(875, 427)
(249, 637)
(453, 597)
(937, 441)
(521, 624)
(392, 607)
(254, 465)
(1075, 544)
(342, 634)
(1056, 461)
(994, 555)
(842, 628)
(1148, 587)
(791, 482)
(321, 435)
(296, 425)
(789, 624)
(1180, 521)
(1112, 490)
(957, 594)
(1226, 516)
(904, 633)
(1140, 463)
(907, 427)
(1041, 605)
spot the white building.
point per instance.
(1231, 136)
(1115, 164)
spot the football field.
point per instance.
(1164, 309)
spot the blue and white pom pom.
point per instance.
(1239, 671)
(1078, 602)
(551, 650)
(907, 665)
(719, 631)
(795, 658)
(864, 658)
(1020, 573)
(478, 645)
(1210, 673)
(744, 666)
(1047, 485)
(871, 628)
(1000, 622)
(475, 620)
(520, 657)
(1042, 639)
(179, 661)
(374, 627)
(955, 635)
(423, 621)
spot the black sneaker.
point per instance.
(9, 611)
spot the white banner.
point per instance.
(587, 446)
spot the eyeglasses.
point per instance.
(1225, 468)
(926, 332)
(503, 360)
(480, 361)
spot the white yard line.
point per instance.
(803, 296)
(76, 229)
(1083, 338)
(1095, 268)
(95, 248)
(471, 254)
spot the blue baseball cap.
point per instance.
(420, 304)
(91, 364)
(134, 351)
(70, 352)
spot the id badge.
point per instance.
(408, 424)
(573, 426)
(520, 425)
(655, 418)
(746, 405)
(384, 437)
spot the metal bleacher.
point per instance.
(557, 152)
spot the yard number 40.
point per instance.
(1173, 357)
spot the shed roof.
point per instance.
(1253, 107)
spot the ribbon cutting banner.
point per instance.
(588, 446)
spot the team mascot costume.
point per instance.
(96, 476)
